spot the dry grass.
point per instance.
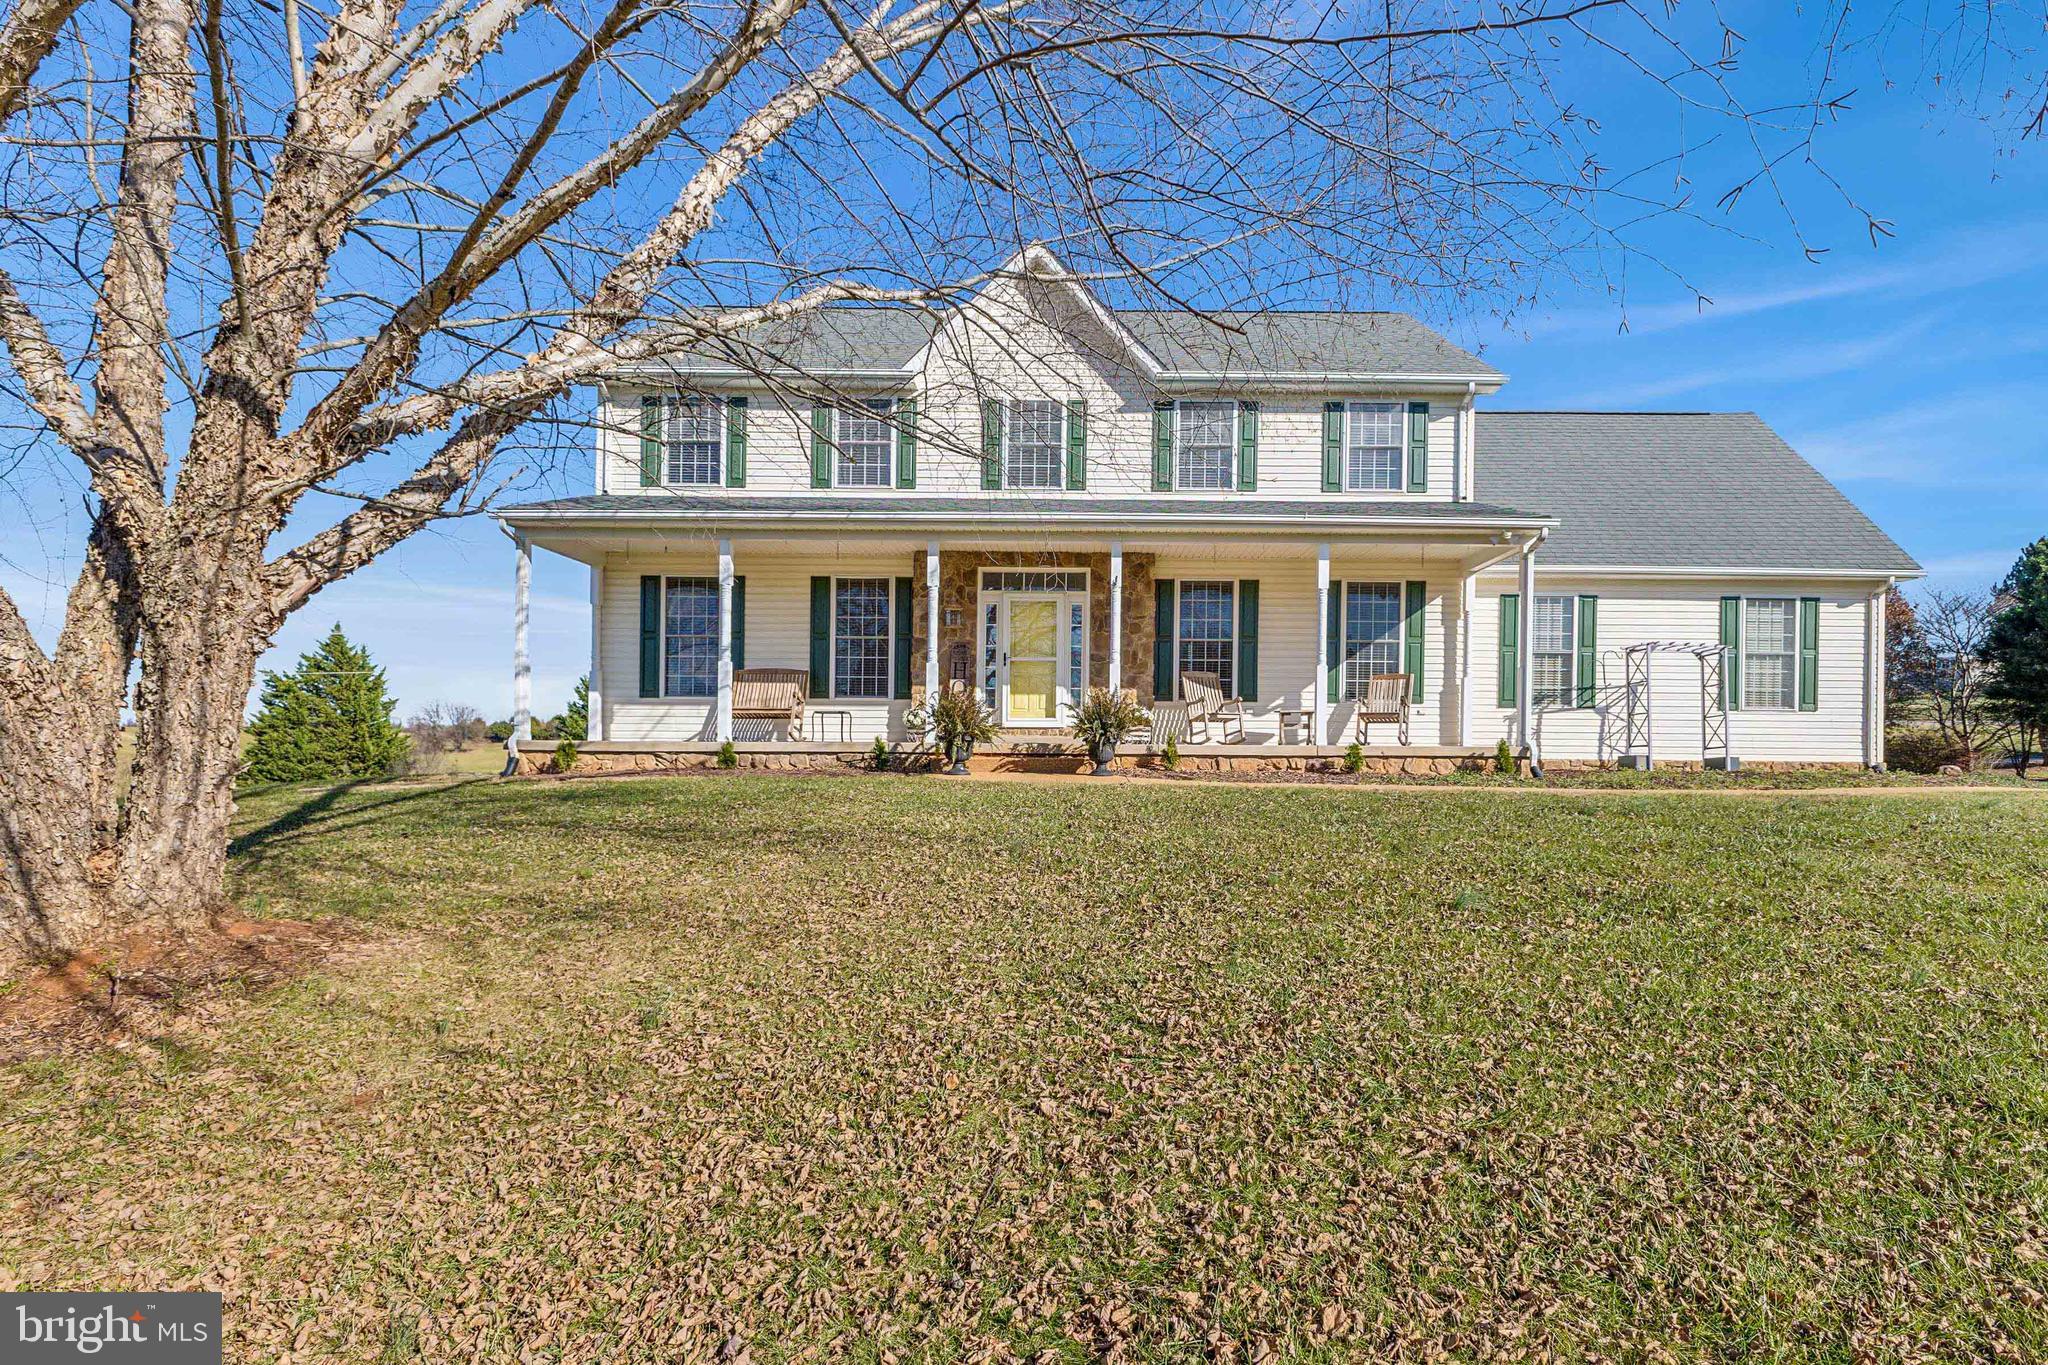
(906, 1069)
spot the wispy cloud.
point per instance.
(1934, 442)
(1971, 568)
(1792, 362)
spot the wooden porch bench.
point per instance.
(773, 694)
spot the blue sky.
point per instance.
(1913, 372)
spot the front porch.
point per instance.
(876, 621)
(1043, 756)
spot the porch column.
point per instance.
(594, 727)
(931, 619)
(522, 664)
(1465, 596)
(1525, 651)
(1317, 686)
(1116, 617)
(723, 720)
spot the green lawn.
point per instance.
(914, 1069)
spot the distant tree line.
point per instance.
(1966, 673)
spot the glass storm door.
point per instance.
(1031, 693)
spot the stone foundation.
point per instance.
(960, 586)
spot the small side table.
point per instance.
(845, 719)
(1293, 720)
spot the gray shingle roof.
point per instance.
(1010, 505)
(857, 337)
(1716, 490)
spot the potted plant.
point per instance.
(956, 721)
(1104, 719)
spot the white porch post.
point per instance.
(594, 728)
(1525, 651)
(522, 665)
(724, 717)
(1465, 599)
(1116, 616)
(931, 619)
(1318, 712)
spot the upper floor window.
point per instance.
(865, 446)
(1373, 434)
(1035, 444)
(692, 438)
(1205, 445)
(1554, 646)
(1770, 652)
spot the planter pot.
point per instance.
(1103, 753)
(963, 749)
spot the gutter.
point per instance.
(898, 520)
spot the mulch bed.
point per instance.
(152, 980)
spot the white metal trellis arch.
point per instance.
(1717, 743)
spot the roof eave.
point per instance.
(841, 515)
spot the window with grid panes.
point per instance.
(860, 638)
(1372, 634)
(1207, 632)
(1373, 438)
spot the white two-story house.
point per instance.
(1034, 494)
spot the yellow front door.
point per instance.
(1034, 659)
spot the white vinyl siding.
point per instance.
(1633, 610)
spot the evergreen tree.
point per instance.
(2017, 647)
(329, 718)
(574, 722)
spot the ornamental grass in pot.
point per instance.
(1104, 719)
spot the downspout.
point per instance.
(1461, 474)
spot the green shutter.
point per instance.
(1809, 653)
(1247, 447)
(1248, 639)
(991, 443)
(1162, 639)
(1162, 445)
(821, 446)
(1334, 627)
(1418, 447)
(739, 621)
(650, 442)
(650, 635)
(906, 443)
(1510, 669)
(1414, 623)
(821, 637)
(1333, 448)
(1589, 651)
(735, 443)
(902, 625)
(1077, 443)
(1731, 662)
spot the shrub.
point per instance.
(728, 757)
(1106, 717)
(1920, 749)
(879, 755)
(1354, 758)
(954, 717)
(1170, 755)
(1503, 759)
(565, 755)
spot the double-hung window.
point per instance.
(1035, 444)
(1374, 435)
(692, 440)
(689, 637)
(1770, 652)
(860, 637)
(1206, 633)
(866, 446)
(1555, 649)
(1205, 445)
(1372, 634)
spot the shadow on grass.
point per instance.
(321, 807)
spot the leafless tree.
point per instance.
(260, 267)
(1955, 626)
(440, 727)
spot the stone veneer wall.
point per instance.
(959, 584)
